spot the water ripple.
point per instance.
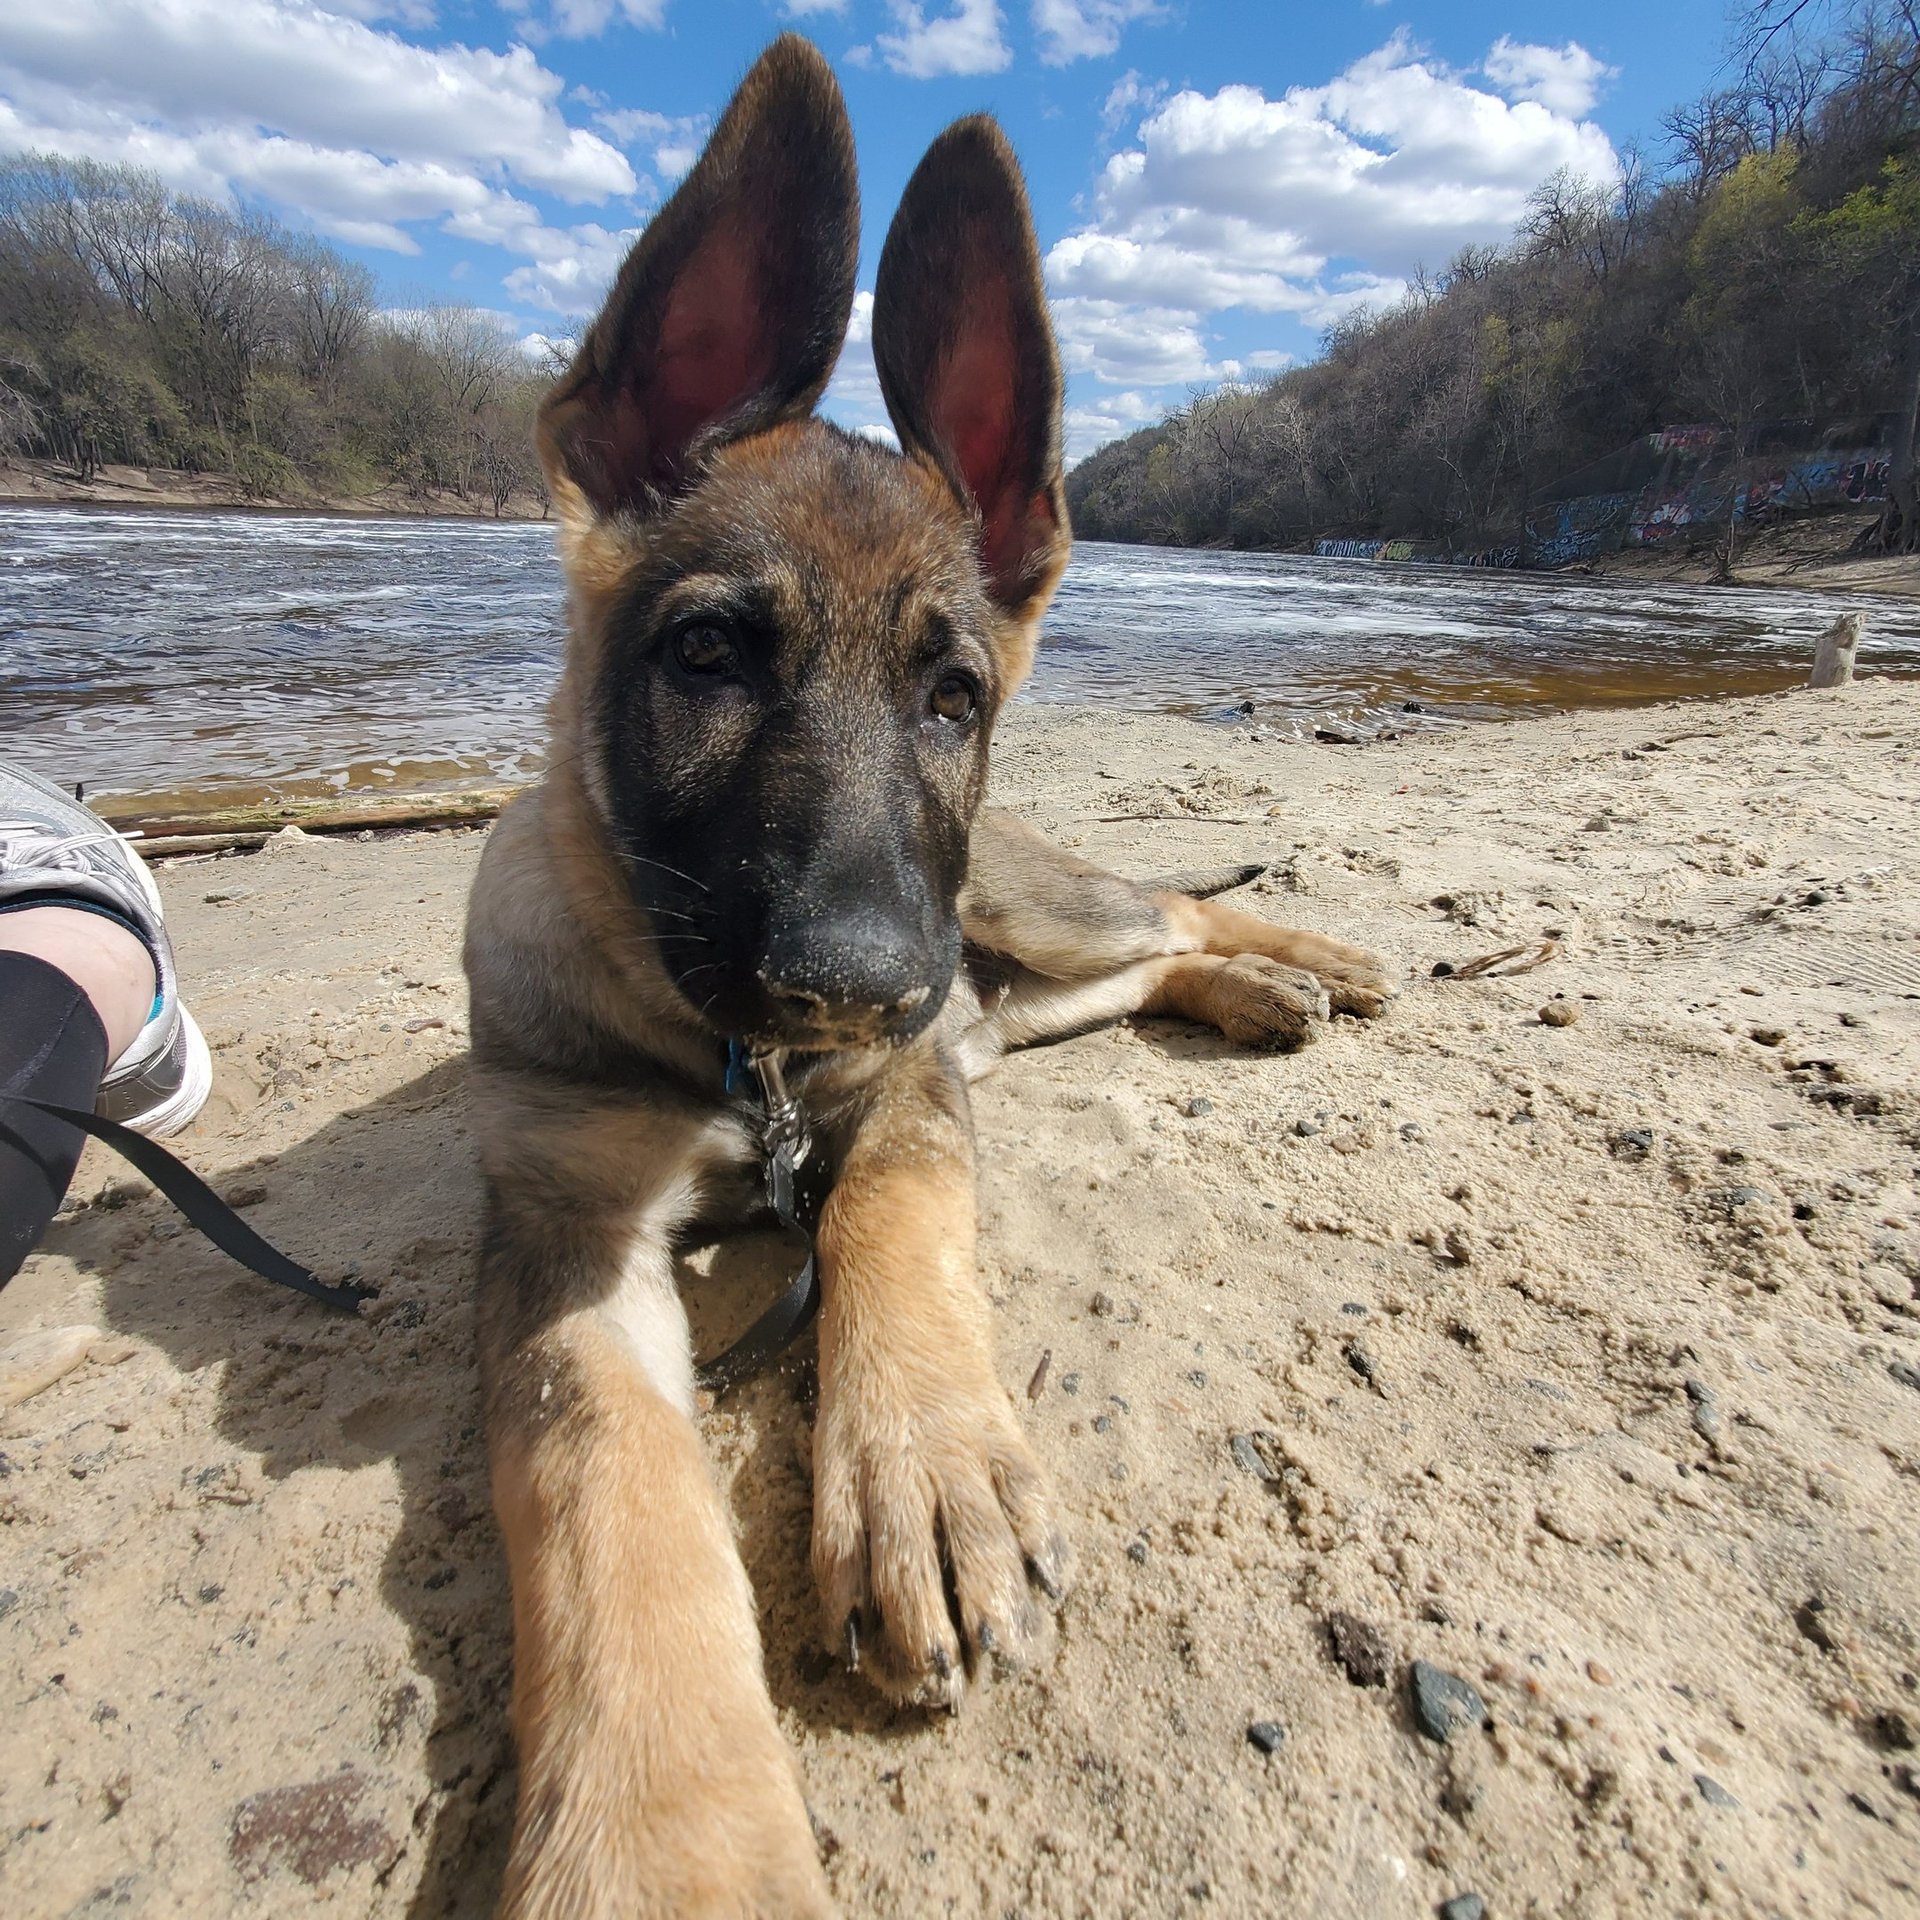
(236, 655)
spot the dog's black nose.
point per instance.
(864, 967)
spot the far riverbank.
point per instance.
(28, 483)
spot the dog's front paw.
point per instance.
(1355, 980)
(935, 1532)
(1357, 983)
(1259, 1002)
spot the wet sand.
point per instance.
(1579, 1361)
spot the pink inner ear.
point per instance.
(715, 347)
(972, 400)
(973, 413)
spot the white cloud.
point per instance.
(800, 9)
(1309, 205)
(572, 267)
(410, 13)
(1128, 96)
(1131, 345)
(356, 129)
(1564, 80)
(285, 68)
(1234, 200)
(1089, 428)
(584, 19)
(966, 39)
(673, 140)
(853, 396)
(1086, 29)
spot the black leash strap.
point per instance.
(203, 1207)
(785, 1142)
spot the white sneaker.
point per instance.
(53, 847)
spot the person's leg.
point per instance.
(76, 988)
(104, 958)
(90, 1013)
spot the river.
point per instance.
(229, 656)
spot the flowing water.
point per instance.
(227, 656)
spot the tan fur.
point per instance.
(917, 1446)
(653, 1779)
(1350, 974)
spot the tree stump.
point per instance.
(1833, 652)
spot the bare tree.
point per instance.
(332, 305)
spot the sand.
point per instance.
(1580, 1361)
(49, 483)
(1810, 551)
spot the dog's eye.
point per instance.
(954, 698)
(705, 649)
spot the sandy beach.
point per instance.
(1577, 1357)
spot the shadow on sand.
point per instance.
(388, 1194)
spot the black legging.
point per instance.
(53, 1047)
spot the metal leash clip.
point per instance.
(785, 1143)
(785, 1127)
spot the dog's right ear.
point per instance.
(965, 354)
(729, 312)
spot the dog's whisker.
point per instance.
(643, 860)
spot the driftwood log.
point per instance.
(1834, 651)
(242, 829)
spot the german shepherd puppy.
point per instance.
(762, 825)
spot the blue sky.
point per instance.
(1213, 183)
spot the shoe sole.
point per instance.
(186, 1100)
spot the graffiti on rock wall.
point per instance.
(1388, 550)
(1698, 441)
(1796, 485)
(1571, 530)
(1670, 507)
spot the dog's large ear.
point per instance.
(966, 357)
(729, 312)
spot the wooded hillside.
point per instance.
(1763, 279)
(151, 329)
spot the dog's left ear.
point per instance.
(966, 356)
(729, 312)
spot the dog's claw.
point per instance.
(1048, 1579)
(853, 1643)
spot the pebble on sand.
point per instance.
(1360, 1648)
(1268, 1735)
(1559, 1013)
(1706, 1410)
(36, 1360)
(1712, 1792)
(1463, 1906)
(1443, 1702)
